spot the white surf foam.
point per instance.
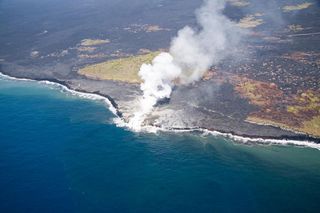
(239, 139)
(63, 88)
(153, 129)
(84, 95)
(3, 76)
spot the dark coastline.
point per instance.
(33, 49)
(199, 129)
(232, 123)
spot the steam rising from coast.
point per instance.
(192, 52)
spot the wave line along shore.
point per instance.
(121, 123)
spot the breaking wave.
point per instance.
(63, 88)
(154, 129)
(236, 138)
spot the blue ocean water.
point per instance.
(61, 153)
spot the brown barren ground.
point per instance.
(300, 111)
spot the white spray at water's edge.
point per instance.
(63, 88)
(192, 53)
(121, 123)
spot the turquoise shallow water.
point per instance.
(60, 153)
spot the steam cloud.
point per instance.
(192, 53)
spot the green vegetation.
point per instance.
(301, 111)
(123, 69)
(251, 21)
(296, 7)
(313, 126)
(93, 42)
(239, 3)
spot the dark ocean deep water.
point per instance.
(60, 153)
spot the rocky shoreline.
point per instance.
(274, 79)
(238, 129)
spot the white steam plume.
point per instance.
(191, 54)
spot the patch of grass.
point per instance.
(300, 111)
(313, 126)
(259, 93)
(250, 21)
(239, 3)
(123, 69)
(93, 42)
(302, 6)
(305, 102)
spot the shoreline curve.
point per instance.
(306, 141)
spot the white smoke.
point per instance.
(191, 54)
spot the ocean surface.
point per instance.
(62, 153)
